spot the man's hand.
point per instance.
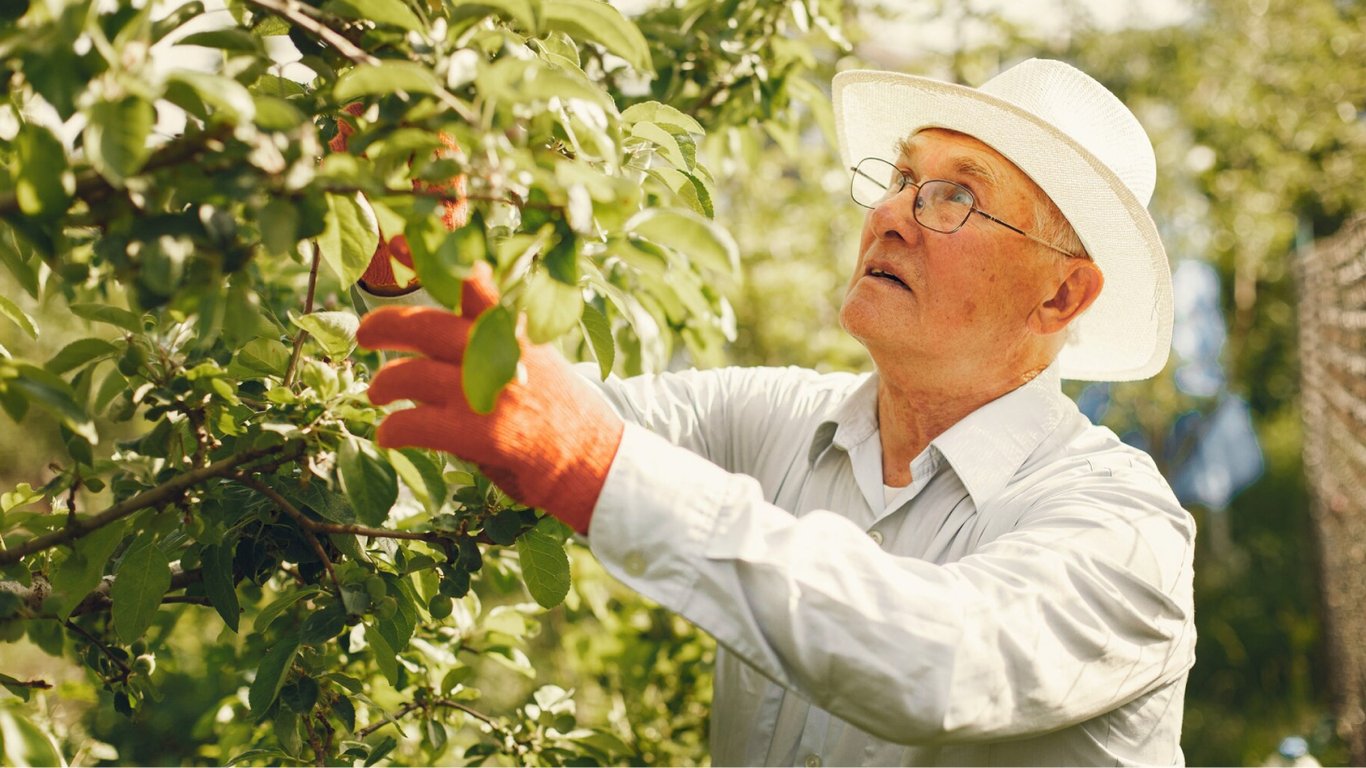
(549, 440)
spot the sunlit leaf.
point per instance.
(597, 21)
(335, 331)
(393, 12)
(598, 331)
(552, 308)
(707, 244)
(43, 184)
(493, 344)
(116, 137)
(349, 237)
(385, 78)
(78, 353)
(19, 317)
(107, 313)
(222, 96)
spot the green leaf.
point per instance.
(519, 11)
(43, 184)
(598, 331)
(276, 114)
(225, 96)
(116, 137)
(263, 356)
(23, 743)
(142, 580)
(657, 112)
(20, 317)
(54, 395)
(106, 313)
(282, 604)
(385, 78)
(703, 241)
(22, 495)
(230, 39)
(545, 564)
(530, 80)
(386, 658)
(81, 571)
(393, 12)
(335, 331)
(350, 235)
(216, 562)
(78, 353)
(668, 145)
(367, 480)
(18, 258)
(552, 308)
(442, 259)
(279, 223)
(490, 359)
(601, 23)
(270, 675)
(421, 475)
(504, 526)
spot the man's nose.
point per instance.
(894, 217)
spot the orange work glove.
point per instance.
(549, 440)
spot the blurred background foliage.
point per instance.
(1256, 112)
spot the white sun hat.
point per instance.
(1087, 152)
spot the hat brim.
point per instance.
(1126, 333)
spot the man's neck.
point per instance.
(913, 409)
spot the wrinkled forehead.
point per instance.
(965, 156)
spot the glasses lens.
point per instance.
(943, 206)
(874, 181)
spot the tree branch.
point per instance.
(292, 369)
(300, 518)
(413, 706)
(294, 13)
(161, 494)
(90, 186)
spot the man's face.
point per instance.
(963, 299)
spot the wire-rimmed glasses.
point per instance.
(940, 205)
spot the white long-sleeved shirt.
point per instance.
(1026, 601)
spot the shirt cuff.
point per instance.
(658, 508)
(418, 298)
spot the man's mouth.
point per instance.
(888, 276)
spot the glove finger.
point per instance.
(427, 426)
(478, 292)
(436, 333)
(419, 379)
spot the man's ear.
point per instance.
(1080, 286)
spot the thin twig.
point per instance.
(300, 518)
(41, 684)
(292, 370)
(161, 494)
(389, 718)
(95, 641)
(294, 13)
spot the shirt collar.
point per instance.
(985, 448)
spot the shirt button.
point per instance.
(813, 761)
(876, 536)
(634, 563)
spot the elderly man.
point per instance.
(942, 562)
